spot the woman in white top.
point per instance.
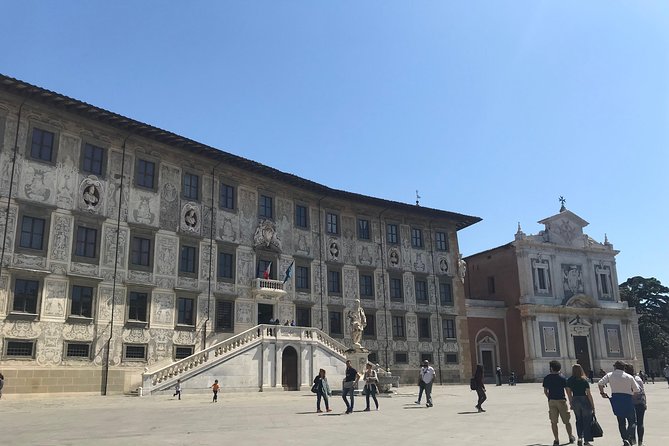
(371, 388)
(639, 403)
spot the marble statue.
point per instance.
(462, 268)
(358, 322)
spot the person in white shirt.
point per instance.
(427, 376)
(623, 387)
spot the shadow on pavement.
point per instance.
(470, 412)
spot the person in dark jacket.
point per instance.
(322, 391)
(348, 385)
(480, 388)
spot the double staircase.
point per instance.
(255, 358)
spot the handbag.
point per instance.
(314, 388)
(595, 428)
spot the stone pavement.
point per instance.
(516, 416)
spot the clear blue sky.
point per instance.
(489, 108)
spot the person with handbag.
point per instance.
(322, 391)
(371, 386)
(580, 401)
(348, 385)
(639, 400)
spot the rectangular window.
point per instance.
(445, 293)
(227, 197)
(363, 229)
(183, 351)
(188, 259)
(373, 357)
(137, 306)
(366, 286)
(134, 352)
(421, 291)
(303, 316)
(226, 262)
(301, 216)
(451, 358)
(416, 237)
(604, 281)
(77, 350)
(32, 233)
(370, 328)
(302, 278)
(491, 285)
(392, 234)
(335, 323)
(87, 242)
(441, 241)
(401, 358)
(25, 296)
(146, 173)
(265, 267)
(396, 288)
(225, 311)
(191, 186)
(185, 313)
(398, 327)
(449, 328)
(82, 301)
(424, 328)
(141, 251)
(334, 282)
(265, 207)
(42, 145)
(332, 223)
(93, 159)
(19, 349)
(540, 276)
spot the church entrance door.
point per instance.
(582, 352)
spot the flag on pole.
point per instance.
(289, 272)
(265, 275)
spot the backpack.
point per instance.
(472, 383)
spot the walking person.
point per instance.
(2, 383)
(215, 388)
(480, 388)
(322, 391)
(421, 386)
(554, 388)
(640, 406)
(371, 386)
(666, 373)
(427, 375)
(623, 388)
(498, 372)
(348, 385)
(580, 401)
(177, 389)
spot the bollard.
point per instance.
(140, 391)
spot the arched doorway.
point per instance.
(289, 369)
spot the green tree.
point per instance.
(651, 300)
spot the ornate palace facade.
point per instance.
(128, 247)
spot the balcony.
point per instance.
(267, 288)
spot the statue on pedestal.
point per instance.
(462, 268)
(358, 322)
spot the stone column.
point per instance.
(630, 342)
(570, 352)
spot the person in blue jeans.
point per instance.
(350, 380)
(580, 401)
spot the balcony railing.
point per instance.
(268, 286)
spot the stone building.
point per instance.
(127, 247)
(552, 295)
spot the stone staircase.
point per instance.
(260, 358)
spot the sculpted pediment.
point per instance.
(565, 228)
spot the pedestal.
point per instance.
(358, 357)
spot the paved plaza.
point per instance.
(516, 416)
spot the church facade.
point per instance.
(552, 295)
(126, 247)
